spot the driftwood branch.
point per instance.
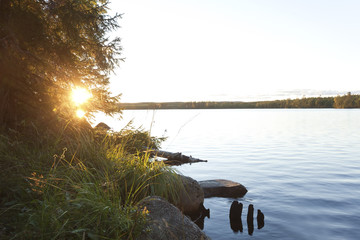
(174, 158)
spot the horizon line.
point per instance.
(239, 101)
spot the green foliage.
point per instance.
(46, 48)
(134, 141)
(347, 101)
(89, 190)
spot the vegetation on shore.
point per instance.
(59, 177)
(78, 183)
(346, 101)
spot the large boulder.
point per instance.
(191, 197)
(222, 188)
(167, 222)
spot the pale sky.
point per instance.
(221, 50)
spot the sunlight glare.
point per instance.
(80, 95)
(80, 113)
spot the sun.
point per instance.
(80, 95)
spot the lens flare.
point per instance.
(80, 113)
(80, 96)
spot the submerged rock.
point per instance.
(235, 216)
(260, 219)
(167, 222)
(250, 219)
(222, 188)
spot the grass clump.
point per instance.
(83, 185)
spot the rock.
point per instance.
(192, 196)
(235, 211)
(167, 222)
(250, 219)
(102, 126)
(222, 188)
(260, 219)
(235, 216)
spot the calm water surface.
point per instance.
(301, 167)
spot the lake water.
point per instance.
(301, 166)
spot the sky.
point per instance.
(236, 50)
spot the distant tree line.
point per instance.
(345, 101)
(312, 102)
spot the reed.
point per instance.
(83, 185)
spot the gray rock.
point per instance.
(222, 188)
(191, 197)
(167, 222)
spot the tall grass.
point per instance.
(83, 185)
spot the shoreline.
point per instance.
(345, 101)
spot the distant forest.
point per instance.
(346, 101)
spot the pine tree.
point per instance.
(48, 47)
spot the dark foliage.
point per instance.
(346, 101)
(48, 47)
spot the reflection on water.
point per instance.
(199, 217)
